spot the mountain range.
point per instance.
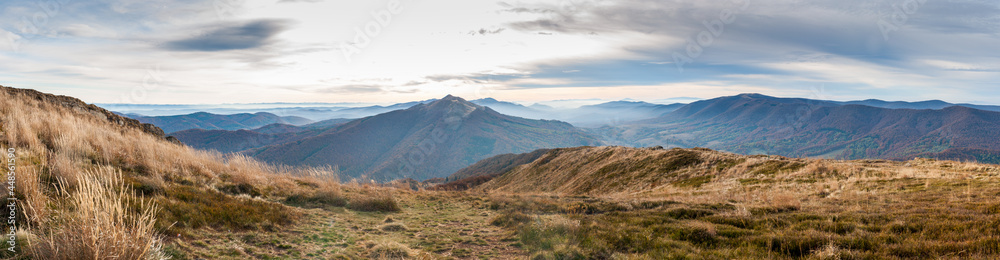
(227, 141)
(377, 146)
(424, 141)
(759, 124)
(615, 112)
(209, 121)
(603, 114)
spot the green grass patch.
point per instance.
(190, 207)
(693, 182)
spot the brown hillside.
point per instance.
(90, 183)
(606, 171)
(76, 105)
(628, 203)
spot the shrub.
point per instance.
(693, 182)
(329, 195)
(562, 253)
(389, 250)
(373, 201)
(510, 219)
(192, 207)
(702, 235)
(242, 188)
(524, 204)
(793, 245)
(686, 213)
(394, 227)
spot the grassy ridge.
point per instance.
(79, 173)
(698, 203)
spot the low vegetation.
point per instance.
(101, 219)
(759, 207)
(371, 200)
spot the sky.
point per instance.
(388, 51)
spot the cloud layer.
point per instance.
(246, 35)
(213, 51)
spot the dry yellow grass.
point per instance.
(103, 220)
(65, 154)
(722, 205)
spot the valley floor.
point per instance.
(432, 225)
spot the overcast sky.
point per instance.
(247, 51)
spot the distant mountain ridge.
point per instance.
(424, 141)
(609, 113)
(758, 124)
(228, 141)
(929, 104)
(209, 121)
(746, 123)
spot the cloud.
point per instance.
(362, 88)
(248, 35)
(484, 31)
(87, 31)
(300, 1)
(765, 35)
(9, 41)
(550, 47)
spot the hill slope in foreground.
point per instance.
(606, 202)
(93, 185)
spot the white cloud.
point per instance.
(86, 31)
(103, 50)
(10, 41)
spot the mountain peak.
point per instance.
(753, 95)
(449, 97)
(452, 99)
(453, 104)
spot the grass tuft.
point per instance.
(389, 251)
(372, 200)
(394, 227)
(102, 222)
(510, 219)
